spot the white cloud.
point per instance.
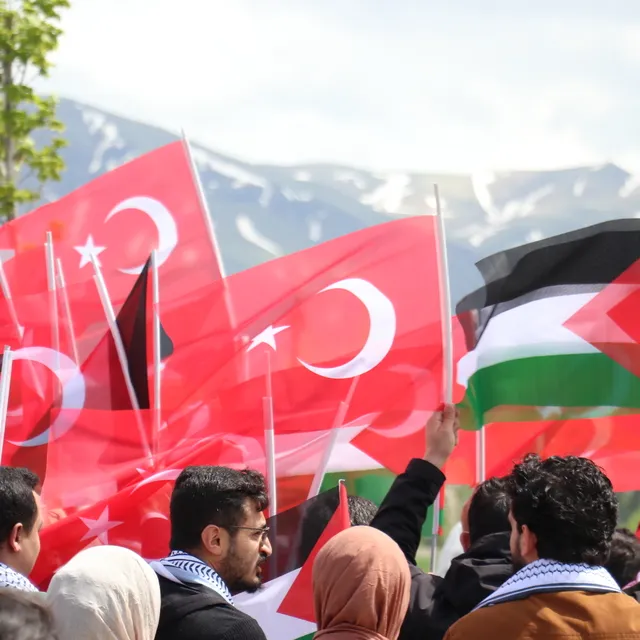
(508, 85)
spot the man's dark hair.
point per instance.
(569, 504)
(318, 511)
(205, 495)
(624, 558)
(489, 509)
(24, 616)
(361, 510)
(17, 503)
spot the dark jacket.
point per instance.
(194, 612)
(436, 603)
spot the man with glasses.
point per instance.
(219, 542)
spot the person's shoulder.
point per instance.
(228, 623)
(481, 619)
(217, 623)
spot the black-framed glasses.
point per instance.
(263, 530)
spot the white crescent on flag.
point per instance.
(382, 331)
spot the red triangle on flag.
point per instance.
(298, 602)
(609, 320)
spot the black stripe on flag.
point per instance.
(294, 533)
(580, 261)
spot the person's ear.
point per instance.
(214, 540)
(465, 540)
(15, 537)
(528, 542)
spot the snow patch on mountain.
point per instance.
(481, 182)
(431, 203)
(516, 208)
(297, 195)
(239, 176)
(110, 138)
(350, 177)
(248, 231)
(315, 230)
(579, 186)
(526, 206)
(629, 186)
(389, 196)
(302, 176)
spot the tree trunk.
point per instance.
(7, 82)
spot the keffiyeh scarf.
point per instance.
(11, 579)
(183, 568)
(548, 576)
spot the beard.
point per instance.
(239, 576)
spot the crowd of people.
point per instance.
(543, 558)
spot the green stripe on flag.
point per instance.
(580, 385)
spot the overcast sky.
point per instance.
(455, 85)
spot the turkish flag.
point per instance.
(394, 446)
(354, 320)
(149, 203)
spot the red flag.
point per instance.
(298, 602)
(151, 202)
(363, 306)
(609, 320)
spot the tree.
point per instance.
(28, 35)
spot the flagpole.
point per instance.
(208, 220)
(122, 356)
(6, 292)
(270, 441)
(338, 421)
(62, 285)
(5, 385)
(53, 297)
(157, 381)
(481, 455)
(447, 350)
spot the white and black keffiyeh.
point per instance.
(182, 567)
(548, 576)
(10, 579)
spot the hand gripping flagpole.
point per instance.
(5, 385)
(122, 355)
(447, 350)
(62, 286)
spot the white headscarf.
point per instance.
(106, 593)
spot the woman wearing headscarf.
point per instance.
(105, 593)
(361, 585)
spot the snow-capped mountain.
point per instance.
(264, 211)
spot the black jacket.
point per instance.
(194, 612)
(436, 603)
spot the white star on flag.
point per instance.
(100, 527)
(87, 250)
(268, 337)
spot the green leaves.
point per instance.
(29, 34)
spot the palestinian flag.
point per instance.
(284, 606)
(554, 332)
